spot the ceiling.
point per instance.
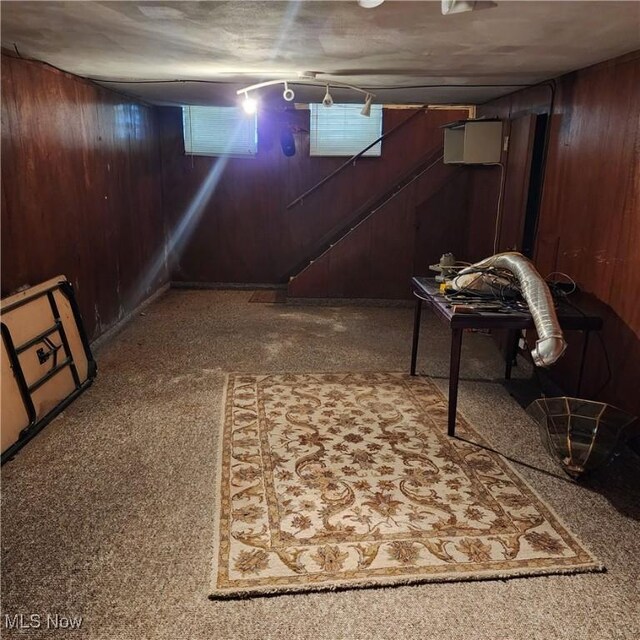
(404, 52)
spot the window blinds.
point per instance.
(340, 130)
(219, 131)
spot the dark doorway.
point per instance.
(534, 196)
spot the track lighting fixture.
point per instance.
(250, 104)
(288, 94)
(366, 110)
(327, 101)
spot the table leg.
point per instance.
(454, 374)
(416, 335)
(513, 337)
(585, 346)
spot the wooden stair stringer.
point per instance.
(312, 280)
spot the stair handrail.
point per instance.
(352, 160)
(431, 158)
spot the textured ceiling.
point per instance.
(405, 52)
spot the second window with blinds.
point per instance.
(341, 130)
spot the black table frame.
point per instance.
(427, 290)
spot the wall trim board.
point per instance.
(116, 328)
(351, 302)
(233, 286)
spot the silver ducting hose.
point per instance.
(550, 344)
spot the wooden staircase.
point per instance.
(369, 209)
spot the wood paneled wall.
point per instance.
(230, 219)
(589, 224)
(81, 191)
(400, 240)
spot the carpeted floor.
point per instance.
(108, 513)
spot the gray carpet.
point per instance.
(108, 513)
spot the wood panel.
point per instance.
(440, 222)
(81, 191)
(589, 225)
(483, 197)
(590, 214)
(378, 258)
(239, 230)
(516, 189)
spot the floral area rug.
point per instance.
(331, 481)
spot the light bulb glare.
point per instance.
(249, 104)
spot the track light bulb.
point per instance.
(288, 94)
(250, 105)
(327, 101)
(366, 109)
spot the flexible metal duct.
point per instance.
(551, 344)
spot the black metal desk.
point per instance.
(427, 290)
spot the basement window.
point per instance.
(219, 131)
(341, 130)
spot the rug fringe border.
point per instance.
(249, 592)
(215, 542)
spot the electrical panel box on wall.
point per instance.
(473, 142)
